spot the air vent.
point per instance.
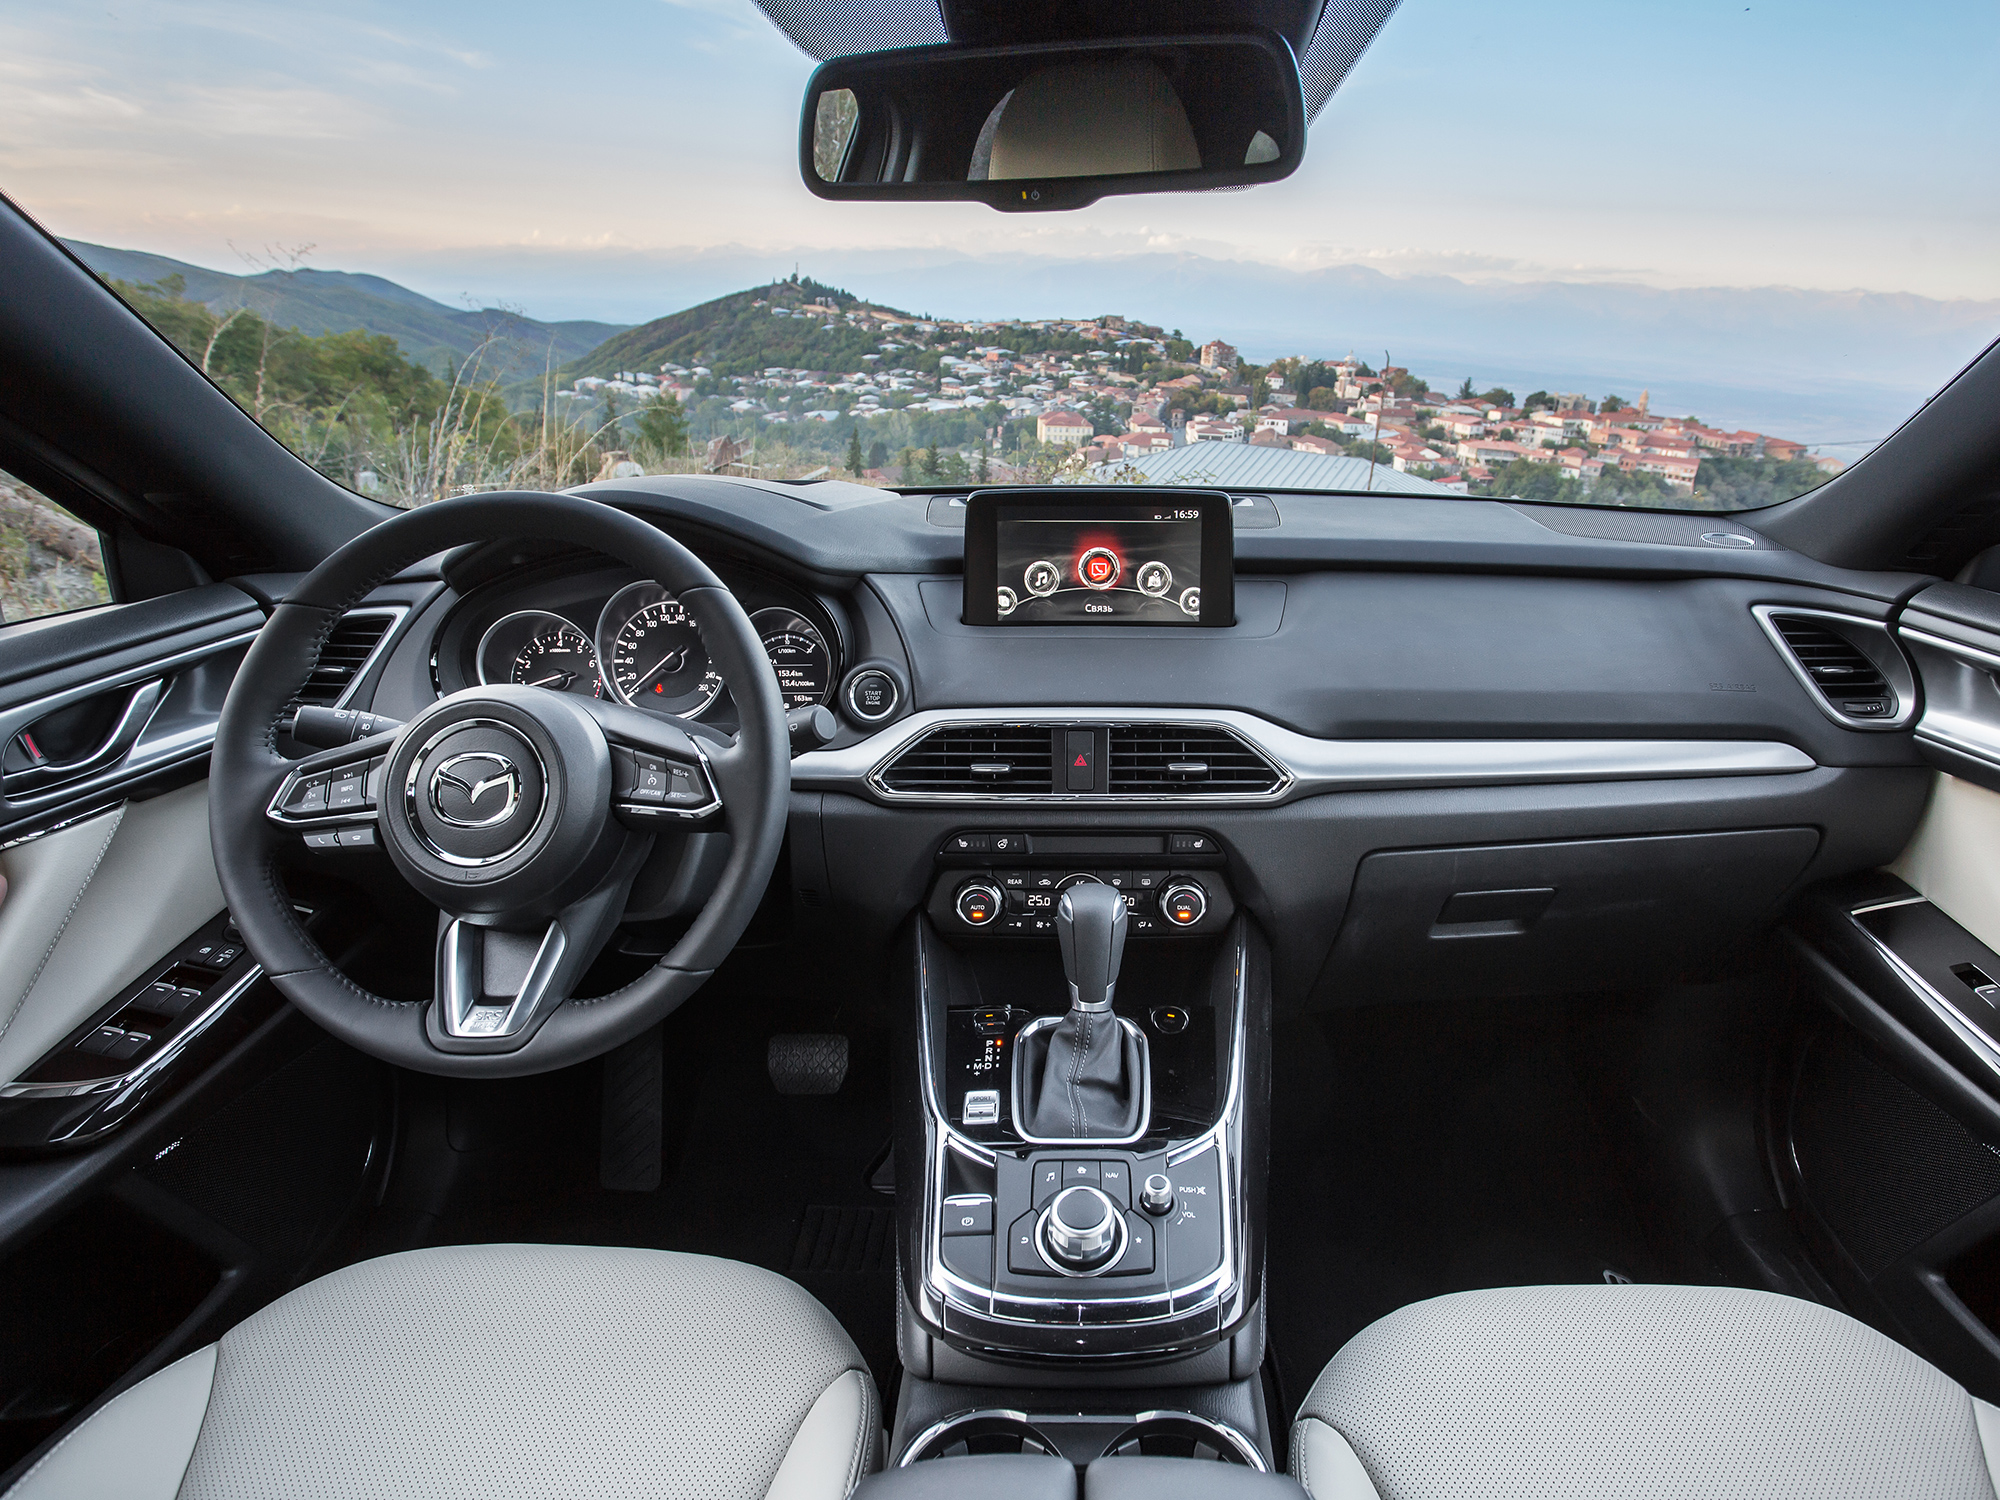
(975, 758)
(343, 656)
(1156, 760)
(1850, 682)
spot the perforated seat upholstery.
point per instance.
(1646, 1392)
(501, 1372)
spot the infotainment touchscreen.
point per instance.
(1111, 557)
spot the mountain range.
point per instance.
(315, 302)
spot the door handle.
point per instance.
(141, 699)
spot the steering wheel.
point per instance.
(521, 814)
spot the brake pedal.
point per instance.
(807, 1062)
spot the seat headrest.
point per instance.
(1093, 119)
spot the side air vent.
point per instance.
(1156, 760)
(345, 654)
(975, 758)
(1859, 687)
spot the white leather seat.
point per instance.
(500, 1372)
(1646, 1392)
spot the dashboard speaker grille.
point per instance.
(1840, 669)
(977, 758)
(1185, 760)
(343, 656)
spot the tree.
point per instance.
(1465, 391)
(1499, 396)
(1321, 398)
(878, 454)
(933, 467)
(1537, 400)
(661, 428)
(854, 460)
(985, 460)
(1613, 403)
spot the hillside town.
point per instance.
(1112, 393)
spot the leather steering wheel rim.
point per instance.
(753, 775)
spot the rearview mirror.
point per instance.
(1053, 125)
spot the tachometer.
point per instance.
(653, 653)
(538, 649)
(799, 656)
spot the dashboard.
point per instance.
(602, 633)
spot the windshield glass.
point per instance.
(1687, 257)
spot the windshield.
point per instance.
(1682, 257)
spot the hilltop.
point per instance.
(790, 323)
(429, 333)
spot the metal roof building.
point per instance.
(1249, 466)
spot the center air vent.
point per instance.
(1157, 760)
(344, 655)
(974, 758)
(1849, 682)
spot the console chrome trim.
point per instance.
(1245, 1449)
(1310, 765)
(940, 1287)
(937, 1429)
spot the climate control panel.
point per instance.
(1007, 884)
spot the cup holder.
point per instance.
(1179, 1434)
(992, 1431)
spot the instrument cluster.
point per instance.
(638, 646)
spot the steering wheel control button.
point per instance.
(1080, 1229)
(1184, 903)
(325, 838)
(308, 797)
(356, 838)
(872, 695)
(979, 904)
(348, 792)
(969, 1214)
(1157, 1195)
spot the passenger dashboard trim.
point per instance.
(1309, 764)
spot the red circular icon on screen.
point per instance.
(1099, 568)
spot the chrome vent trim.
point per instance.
(351, 648)
(972, 743)
(989, 759)
(1842, 659)
(1192, 760)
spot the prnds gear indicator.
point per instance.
(1126, 557)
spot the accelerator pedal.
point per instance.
(628, 1152)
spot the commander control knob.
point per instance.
(1183, 903)
(979, 903)
(1080, 1230)
(1156, 1195)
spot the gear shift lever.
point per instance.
(1085, 1077)
(1090, 925)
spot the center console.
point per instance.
(1051, 1235)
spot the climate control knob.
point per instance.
(1184, 903)
(1080, 1230)
(979, 903)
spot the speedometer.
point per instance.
(798, 654)
(653, 652)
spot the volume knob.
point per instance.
(1156, 1195)
(1080, 1229)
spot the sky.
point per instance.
(622, 159)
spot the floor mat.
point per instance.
(747, 1173)
(1428, 1148)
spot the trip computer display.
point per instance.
(1121, 557)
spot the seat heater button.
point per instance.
(969, 1214)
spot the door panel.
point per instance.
(1954, 858)
(92, 905)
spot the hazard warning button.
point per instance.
(1080, 760)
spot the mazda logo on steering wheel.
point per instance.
(475, 790)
